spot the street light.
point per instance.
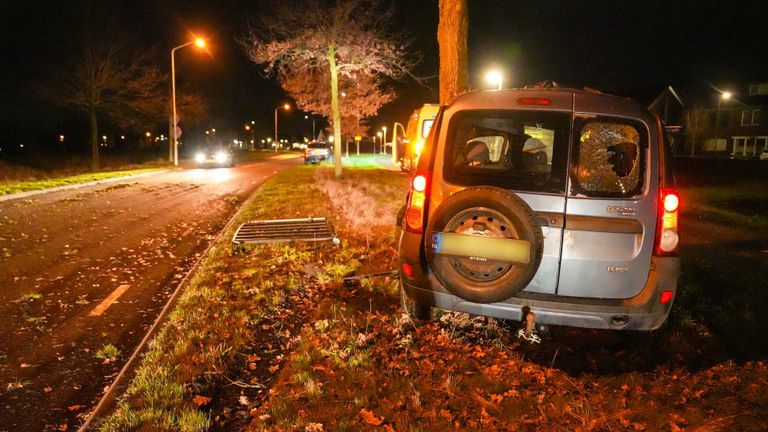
(494, 77)
(253, 131)
(174, 147)
(724, 96)
(285, 107)
(384, 148)
(313, 126)
(378, 134)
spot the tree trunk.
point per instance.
(336, 112)
(95, 163)
(452, 40)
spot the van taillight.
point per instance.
(667, 236)
(417, 202)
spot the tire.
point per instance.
(416, 311)
(493, 212)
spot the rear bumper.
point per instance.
(642, 312)
(315, 158)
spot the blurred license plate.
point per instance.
(488, 248)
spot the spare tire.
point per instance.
(488, 212)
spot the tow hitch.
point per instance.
(528, 331)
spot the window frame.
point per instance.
(745, 116)
(560, 156)
(579, 121)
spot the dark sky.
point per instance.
(631, 48)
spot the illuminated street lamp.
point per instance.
(313, 125)
(384, 148)
(494, 77)
(253, 132)
(724, 96)
(285, 107)
(378, 134)
(174, 147)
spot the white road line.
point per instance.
(107, 302)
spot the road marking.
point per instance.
(107, 302)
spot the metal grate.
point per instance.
(284, 230)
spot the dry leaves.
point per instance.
(201, 400)
(370, 418)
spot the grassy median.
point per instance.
(229, 299)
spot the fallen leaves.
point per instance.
(201, 400)
(370, 418)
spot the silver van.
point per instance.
(543, 203)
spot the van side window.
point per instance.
(608, 158)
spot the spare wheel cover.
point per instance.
(484, 211)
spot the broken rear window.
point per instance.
(609, 158)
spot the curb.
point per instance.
(111, 395)
(20, 195)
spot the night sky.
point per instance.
(628, 48)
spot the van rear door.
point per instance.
(610, 215)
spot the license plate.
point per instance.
(483, 248)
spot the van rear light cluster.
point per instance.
(667, 237)
(417, 202)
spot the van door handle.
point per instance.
(548, 219)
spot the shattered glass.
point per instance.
(609, 158)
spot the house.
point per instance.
(734, 126)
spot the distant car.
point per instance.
(298, 146)
(316, 152)
(215, 156)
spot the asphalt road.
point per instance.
(83, 268)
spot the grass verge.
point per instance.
(12, 187)
(230, 302)
(743, 205)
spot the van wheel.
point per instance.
(415, 310)
(488, 212)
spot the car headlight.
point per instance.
(200, 157)
(221, 157)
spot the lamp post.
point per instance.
(494, 77)
(174, 144)
(724, 96)
(378, 134)
(384, 148)
(285, 107)
(313, 126)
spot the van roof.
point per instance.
(556, 98)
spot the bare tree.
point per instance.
(452, 41)
(360, 99)
(696, 123)
(108, 82)
(346, 38)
